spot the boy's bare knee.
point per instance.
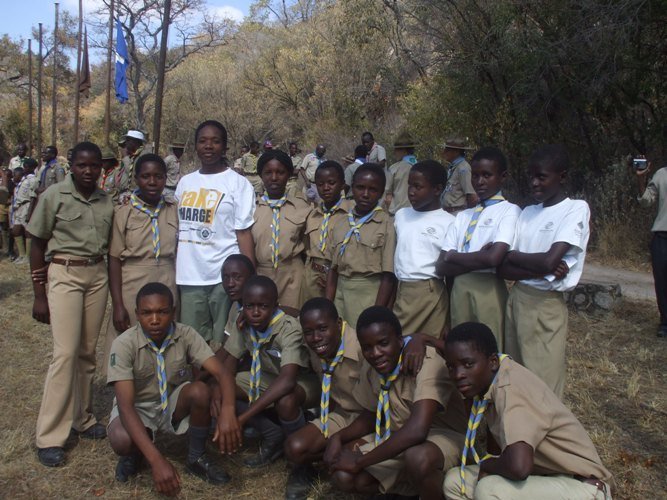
(289, 404)
(295, 447)
(199, 393)
(422, 460)
(343, 481)
(119, 439)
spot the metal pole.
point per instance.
(29, 97)
(160, 76)
(40, 71)
(107, 105)
(77, 91)
(54, 96)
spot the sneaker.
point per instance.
(96, 431)
(204, 468)
(20, 260)
(127, 467)
(269, 452)
(299, 482)
(53, 456)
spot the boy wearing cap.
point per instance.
(173, 162)
(134, 146)
(459, 193)
(113, 180)
(396, 192)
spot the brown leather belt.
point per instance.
(600, 485)
(78, 262)
(319, 267)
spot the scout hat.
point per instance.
(404, 141)
(456, 143)
(107, 154)
(177, 145)
(135, 134)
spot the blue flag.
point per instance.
(122, 62)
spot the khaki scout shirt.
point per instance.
(432, 382)
(115, 182)
(249, 163)
(459, 184)
(133, 359)
(314, 223)
(173, 170)
(656, 191)
(72, 224)
(25, 190)
(345, 379)
(523, 408)
(397, 186)
(372, 254)
(309, 165)
(292, 226)
(132, 236)
(128, 162)
(377, 154)
(51, 174)
(296, 161)
(17, 162)
(285, 346)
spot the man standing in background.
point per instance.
(459, 193)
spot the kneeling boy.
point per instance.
(544, 451)
(336, 356)
(279, 374)
(148, 368)
(415, 441)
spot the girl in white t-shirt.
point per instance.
(215, 216)
(477, 243)
(422, 301)
(547, 259)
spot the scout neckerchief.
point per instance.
(161, 368)
(355, 226)
(479, 406)
(327, 374)
(47, 166)
(411, 159)
(324, 227)
(105, 174)
(17, 189)
(496, 198)
(275, 206)
(383, 411)
(452, 166)
(153, 213)
(258, 339)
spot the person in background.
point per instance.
(25, 194)
(173, 162)
(238, 163)
(249, 166)
(360, 153)
(20, 158)
(459, 193)
(306, 171)
(376, 153)
(396, 192)
(51, 172)
(133, 143)
(293, 183)
(113, 180)
(655, 193)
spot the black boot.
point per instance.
(299, 482)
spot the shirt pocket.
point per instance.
(296, 223)
(144, 377)
(67, 217)
(178, 371)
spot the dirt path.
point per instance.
(634, 285)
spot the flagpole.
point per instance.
(40, 70)
(54, 96)
(160, 76)
(29, 97)
(107, 105)
(77, 83)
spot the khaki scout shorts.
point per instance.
(152, 417)
(308, 381)
(338, 419)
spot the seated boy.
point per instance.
(545, 452)
(418, 421)
(279, 374)
(148, 369)
(235, 272)
(336, 357)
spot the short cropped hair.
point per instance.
(275, 154)
(148, 157)
(30, 162)
(360, 151)
(379, 314)
(264, 282)
(331, 165)
(88, 147)
(155, 288)
(478, 334)
(320, 304)
(212, 123)
(243, 260)
(493, 154)
(552, 156)
(372, 168)
(434, 172)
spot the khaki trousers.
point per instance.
(309, 287)
(134, 276)
(557, 487)
(422, 306)
(480, 297)
(536, 333)
(77, 299)
(354, 295)
(287, 277)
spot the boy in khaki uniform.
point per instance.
(25, 194)
(329, 180)
(336, 358)
(418, 421)
(113, 180)
(249, 167)
(71, 223)
(542, 451)
(279, 374)
(396, 192)
(361, 249)
(279, 247)
(459, 193)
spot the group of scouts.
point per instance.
(356, 323)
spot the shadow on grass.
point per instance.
(11, 287)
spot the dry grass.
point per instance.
(617, 375)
